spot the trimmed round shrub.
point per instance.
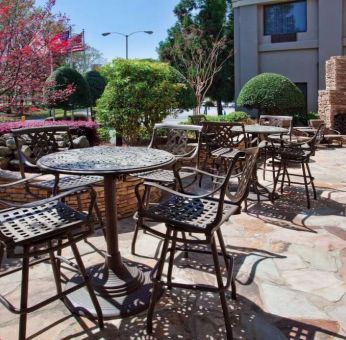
(272, 93)
(97, 84)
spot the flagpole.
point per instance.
(84, 56)
(70, 35)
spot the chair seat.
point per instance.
(31, 225)
(190, 215)
(68, 182)
(162, 176)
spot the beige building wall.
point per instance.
(302, 61)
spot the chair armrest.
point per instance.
(202, 172)
(168, 190)
(24, 180)
(328, 131)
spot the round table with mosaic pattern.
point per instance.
(121, 287)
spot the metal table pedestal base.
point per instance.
(118, 297)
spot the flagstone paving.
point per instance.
(290, 274)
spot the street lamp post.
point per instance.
(127, 38)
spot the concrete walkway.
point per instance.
(290, 273)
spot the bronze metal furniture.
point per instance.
(43, 141)
(175, 139)
(121, 287)
(202, 216)
(39, 228)
(197, 119)
(329, 135)
(296, 152)
(222, 138)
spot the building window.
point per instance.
(285, 18)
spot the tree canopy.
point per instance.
(200, 24)
(271, 93)
(139, 94)
(97, 84)
(27, 55)
(64, 77)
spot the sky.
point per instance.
(124, 16)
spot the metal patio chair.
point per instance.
(42, 141)
(296, 152)
(40, 228)
(222, 142)
(177, 140)
(198, 215)
(329, 135)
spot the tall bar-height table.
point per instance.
(122, 288)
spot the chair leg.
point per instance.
(146, 196)
(283, 177)
(171, 260)
(306, 186)
(56, 270)
(99, 215)
(24, 295)
(156, 284)
(134, 238)
(87, 282)
(311, 180)
(228, 265)
(277, 177)
(186, 248)
(221, 292)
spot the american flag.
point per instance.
(76, 43)
(59, 42)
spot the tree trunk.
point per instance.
(65, 113)
(219, 107)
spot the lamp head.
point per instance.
(106, 33)
(148, 32)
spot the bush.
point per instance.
(80, 128)
(272, 93)
(97, 84)
(64, 76)
(139, 94)
(303, 118)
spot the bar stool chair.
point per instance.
(174, 138)
(39, 228)
(42, 141)
(202, 216)
(296, 152)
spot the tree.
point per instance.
(64, 78)
(139, 94)
(273, 94)
(83, 61)
(97, 84)
(200, 46)
(26, 56)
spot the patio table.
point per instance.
(122, 288)
(257, 129)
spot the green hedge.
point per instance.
(233, 117)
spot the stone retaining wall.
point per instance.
(332, 101)
(126, 198)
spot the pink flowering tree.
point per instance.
(28, 52)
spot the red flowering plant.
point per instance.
(80, 128)
(27, 55)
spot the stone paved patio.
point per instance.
(290, 273)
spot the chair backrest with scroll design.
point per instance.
(176, 139)
(41, 141)
(222, 135)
